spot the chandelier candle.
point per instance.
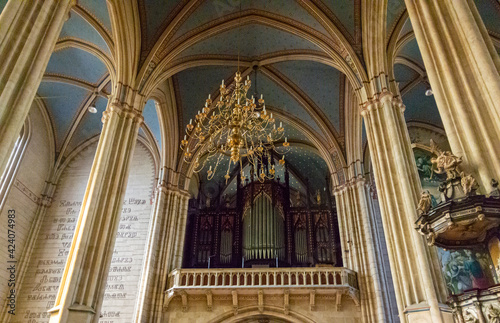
(235, 127)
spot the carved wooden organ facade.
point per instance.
(260, 226)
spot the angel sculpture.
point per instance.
(469, 183)
(470, 316)
(493, 314)
(424, 205)
(445, 162)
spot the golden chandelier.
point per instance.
(236, 127)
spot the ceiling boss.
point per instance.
(237, 127)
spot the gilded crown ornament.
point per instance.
(237, 127)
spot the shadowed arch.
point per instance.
(252, 312)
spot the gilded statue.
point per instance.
(445, 162)
(424, 205)
(318, 197)
(469, 183)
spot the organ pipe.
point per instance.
(266, 241)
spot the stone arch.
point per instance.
(252, 313)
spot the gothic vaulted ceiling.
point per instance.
(285, 46)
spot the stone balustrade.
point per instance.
(285, 281)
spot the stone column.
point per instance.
(358, 246)
(463, 69)
(165, 250)
(28, 35)
(416, 282)
(84, 279)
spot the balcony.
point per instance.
(331, 282)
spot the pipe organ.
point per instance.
(261, 226)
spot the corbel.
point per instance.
(235, 302)
(209, 300)
(286, 301)
(261, 301)
(312, 300)
(184, 299)
(169, 295)
(338, 301)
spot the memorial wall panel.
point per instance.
(48, 259)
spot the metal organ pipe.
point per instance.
(263, 230)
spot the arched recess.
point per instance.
(29, 177)
(46, 265)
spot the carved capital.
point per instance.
(122, 112)
(46, 201)
(379, 100)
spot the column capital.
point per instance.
(122, 112)
(379, 100)
(355, 181)
(166, 188)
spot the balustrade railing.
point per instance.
(262, 277)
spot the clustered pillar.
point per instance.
(463, 69)
(28, 35)
(165, 249)
(84, 278)
(356, 221)
(415, 279)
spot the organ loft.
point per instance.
(236, 161)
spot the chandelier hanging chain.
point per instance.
(236, 127)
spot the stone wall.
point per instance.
(24, 195)
(47, 262)
(300, 310)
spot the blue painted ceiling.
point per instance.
(152, 121)
(99, 9)
(62, 101)
(344, 11)
(404, 75)
(195, 84)
(489, 11)
(215, 9)
(77, 27)
(395, 9)
(412, 52)
(254, 40)
(76, 63)
(2, 4)
(321, 83)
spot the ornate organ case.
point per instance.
(261, 227)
